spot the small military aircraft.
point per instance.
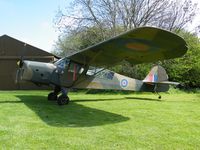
(86, 68)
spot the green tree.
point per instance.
(187, 68)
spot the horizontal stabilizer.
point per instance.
(163, 82)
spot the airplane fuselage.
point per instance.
(68, 74)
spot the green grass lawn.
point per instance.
(133, 121)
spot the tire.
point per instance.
(63, 100)
(52, 96)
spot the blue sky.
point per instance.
(30, 21)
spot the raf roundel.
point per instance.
(124, 83)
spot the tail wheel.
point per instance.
(52, 96)
(63, 100)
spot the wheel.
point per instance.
(63, 100)
(52, 96)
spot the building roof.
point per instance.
(10, 46)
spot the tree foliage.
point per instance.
(128, 14)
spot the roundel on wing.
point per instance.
(137, 47)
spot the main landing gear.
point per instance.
(63, 99)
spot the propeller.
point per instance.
(20, 65)
(20, 62)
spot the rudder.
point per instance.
(156, 75)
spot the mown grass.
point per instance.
(99, 121)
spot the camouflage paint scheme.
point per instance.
(110, 80)
(107, 79)
(140, 45)
(145, 44)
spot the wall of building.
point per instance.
(11, 51)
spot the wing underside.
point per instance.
(140, 45)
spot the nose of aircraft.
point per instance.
(37, 72)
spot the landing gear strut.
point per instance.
(155, 90)
(63, 99)
(159, 96)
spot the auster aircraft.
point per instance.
(86, 68)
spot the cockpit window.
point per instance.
(75, 70)
(69, 69)
(93, 70)
(62, 63)
(101, 73)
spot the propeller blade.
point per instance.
(20, 65)
(20, 62)
(17, 76)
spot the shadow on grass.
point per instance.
(99, 100)
(72, 115)
(143, 99)
(116, 99)
(10, 102)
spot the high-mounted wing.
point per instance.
(145, 44)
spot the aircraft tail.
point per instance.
(157, 74)
(157, 80)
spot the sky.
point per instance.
(31, 21)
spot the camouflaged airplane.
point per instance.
(86, 68)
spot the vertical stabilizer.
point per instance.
(156, 75)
